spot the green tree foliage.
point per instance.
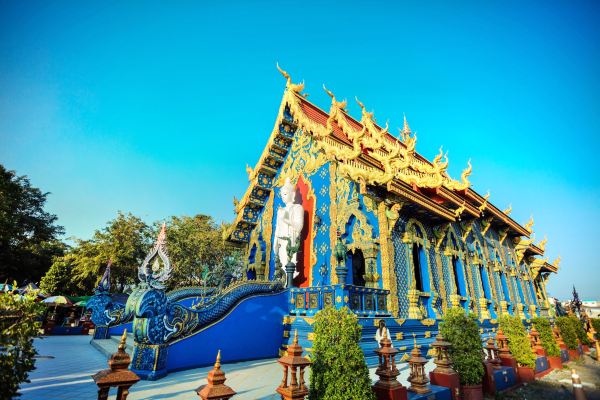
(198, 252)
(567, 331)
(596, 325)
(28, 238)
(579, 331)
(518, 342)
(18, 326)
(125, 241)
(542, 325)
(339, 371)
(463, 332)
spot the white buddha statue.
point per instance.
(290, 220)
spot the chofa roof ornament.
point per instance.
(156, 268)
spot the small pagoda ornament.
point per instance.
(417, 378)
(537, 343)
(444, 375)
(293, 361)
(216, 389)
(117, 375)
(504, 353)
(388, 387)
(492, 355)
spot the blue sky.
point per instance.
(156, 107)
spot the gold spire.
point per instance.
(218, 361)
(296, 336)
(123, 342)
(529, 225)
(485, 201)
(338, 104)
(556, 262)
(508, 210)
(415, 339)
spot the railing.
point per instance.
(363, 301)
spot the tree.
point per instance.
(29, 234)
(18, 326)
(125, 241)
(198, 252)
(462, 331)
(339, 370)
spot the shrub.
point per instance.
(518, 343)
(579, 331)
(542, 325)
(18, 327)
(567, 331)
(596, 325)
(463, 332)
(339, 371)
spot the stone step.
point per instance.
(109, 346)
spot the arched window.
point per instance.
(358, 268)
(416, 257)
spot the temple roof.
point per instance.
(370, 155)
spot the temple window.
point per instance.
(358, 268)
(416, 257)
(455, 269)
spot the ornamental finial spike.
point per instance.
(123, 342)
(508, 210)
(162, 235)
(296, 88)
(406, 128)
(296, 336)
(218, 361)
(542, 244)
(415, 340)
(556, 263)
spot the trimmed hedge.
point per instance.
(463, 332)
(579, 331)
(596, 325)
(339, 370)
(518, 343)
(542, 325)
(567, 331)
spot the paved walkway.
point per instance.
(66, 363)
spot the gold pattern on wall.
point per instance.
(387, 258)
(303, 160)
(267, 230)
(332, 218)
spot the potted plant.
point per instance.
(569, 336)
(338, 370)
(548, 342)
(462, 332)
(519, 346)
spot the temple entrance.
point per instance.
(358, 267)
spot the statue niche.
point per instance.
(288, 228)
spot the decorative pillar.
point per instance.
(532, 310)
(455, 300)
(444, 374)
(520, 311)
(417, 378)
(117, 375)
(503, 307)
(215, 389)
(293, 361)
(340, 250)
(388, 387)
(413, 304)
(483, 306)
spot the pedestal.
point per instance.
(555, 362)
(498, 380)
(542, 367)
(437, 393)
(384, 391)
(449, 380)
(289, 272)
(149, 361)
(101, 332)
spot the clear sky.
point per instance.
(156, 107)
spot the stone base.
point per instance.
(149, 361)
(526, 374)
(385, 392)
(101, 332)
(541, 364)
(150, 375)
(498, 380)
(573, 355)
(437, 393)
(564, 355)
(451, 381)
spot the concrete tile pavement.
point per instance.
(66, 363)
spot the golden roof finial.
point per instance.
(297, 88)
(334, 102)
(460, 209)
(542, 244)
(406, 128)
(556, 262)
(529, 225)
(485, 201)
(415, 340)
(296, 336)
(123, 342)
(218, 361)
(508, 210)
